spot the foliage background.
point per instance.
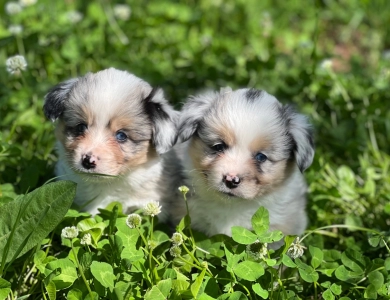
(331, 58)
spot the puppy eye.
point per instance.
(81, 128)
(260, 157)
(220, 147)
(121, 136)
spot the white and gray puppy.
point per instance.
(245, 150)
(115, 124)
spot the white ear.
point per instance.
(164, 119)
(192, 114)
(302, 133)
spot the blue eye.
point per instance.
(220, 147)
(260, 157)
(121, 136)
(81, 128)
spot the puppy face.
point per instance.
(244, 143)
(110, 122)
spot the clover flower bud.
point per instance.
(184, 190)
(152, 209)
(152, 244)
(175, 251)
(70, 232)
(74, 16)
(27, 2)
(177, 239)
(257, 250)
(13, 8)
(16, 64)
(133, 220)
(122, 11)
(15, 29)
(296, 249)
(86, 239)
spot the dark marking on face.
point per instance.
(154, 110)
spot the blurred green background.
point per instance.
(330, 58)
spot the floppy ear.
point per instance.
(164, 119)
(55, 99)
(193, 112)
(302, 134)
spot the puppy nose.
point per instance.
(88, 161)
(231, 181)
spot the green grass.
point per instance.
(283, 47)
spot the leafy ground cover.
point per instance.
(330, 58)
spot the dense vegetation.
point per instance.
(330, 58)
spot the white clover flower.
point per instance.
(86, 239)
(257, 250)
(184, 190)
(152, 209)
(133, 220)
(175, 251)
(70, 232)
(177, 239)
(27, 2)
(13, 8)
(296, 249)
(15, 29)
(152, 244)
(326, 64)
(16, 64)
(74, 16)
(122, 11)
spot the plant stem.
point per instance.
(81, 271)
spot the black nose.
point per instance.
(231, 181)
(88, 162)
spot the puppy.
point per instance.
(245, 150)
(112, 129)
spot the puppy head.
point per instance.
(110, 122)
(245, 143)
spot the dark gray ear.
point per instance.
(164, 119)
(302, 134)
(55, 99)
(192, 113)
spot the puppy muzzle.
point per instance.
(231, 181)
(88, 161)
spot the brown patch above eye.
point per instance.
(259, 144)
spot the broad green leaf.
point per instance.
(328, 295)
(66, 276)
(287, 261)
(74, 294)
(181, 283)
(331, 255)
(270, 236)
(154, 294)
(353, 260)
(376, 279)
(260, 291)
(5, 288)
(370, 292)
(343, 274)
(72, 213)
(374, 240)
(94, 296)
(336, 289)
(41, 211)
(306, 272)
(51, 290)
(243, 236)
(195, 287)
(248, 270)
(260, 221)
(316, 256)
(103, 273)
(165, 286)
(129, 236)
(232, 259)
(160, 237)
(132, 254)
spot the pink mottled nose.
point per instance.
(231, 181)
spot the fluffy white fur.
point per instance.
(247, 122)
(94, 113)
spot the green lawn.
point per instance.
(330, 58)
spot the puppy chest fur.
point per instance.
(245, 150)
